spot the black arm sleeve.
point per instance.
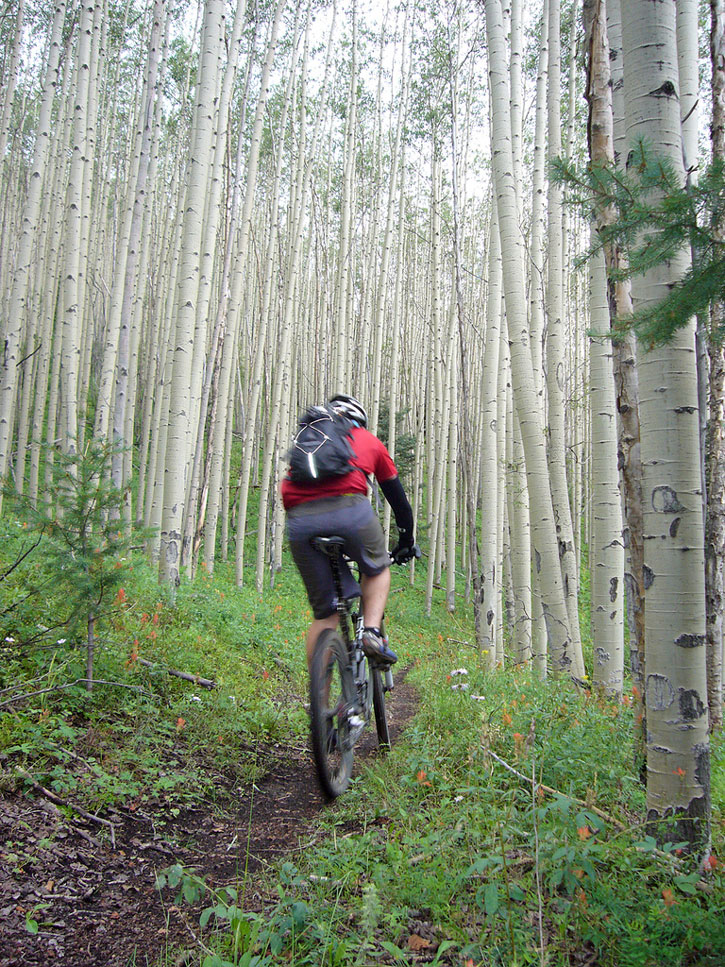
(395, 495)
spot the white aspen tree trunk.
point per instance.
(73, 297)
(606, 552)
(395, 348)
(123, 361)
(520, 526)
(538, 215)
(212, 221)
(250, 438)
(181, 401)
(342, 374)
(282, 377)
(676, 687)
(613, 146)
(715, 443)
(555, 344)
(22, 277)
(502, 534)
(546, 554)
(490, 572)
(11, 80)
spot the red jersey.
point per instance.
(371, 456)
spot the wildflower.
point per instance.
(459, 671)
(180, 724)
(507, 720)
(668, 896)
(478, 698)
(265, 674)
(584, 833)
(155, 619)
(711, 863)
(11, 641)
(459, 687)
(421, 777)
(121, 596)
(679, 771)
(60, 641)
(458, 799)
(194, 698)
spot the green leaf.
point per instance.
(491, 900)
(31, 925)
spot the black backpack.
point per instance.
(321, 447)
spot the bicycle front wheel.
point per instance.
(381, 720)
(332, 696)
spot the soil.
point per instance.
(95, 903)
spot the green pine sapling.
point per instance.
(84, 542)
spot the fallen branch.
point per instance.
(556, 792)
(196, 679)
(54, 798)
(78, 681)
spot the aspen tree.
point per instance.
(564, 656)
(606, 553)
(490, 572)
(715, 443)
(181, 401)
(22, 275)
(554, 342)
(608, 143)
(676, 687)
(249, 447)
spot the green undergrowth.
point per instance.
(443, 853)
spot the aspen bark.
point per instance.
(678, 751)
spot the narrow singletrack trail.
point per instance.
(97, 905)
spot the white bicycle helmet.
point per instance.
(349, 407)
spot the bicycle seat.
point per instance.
(328, 544)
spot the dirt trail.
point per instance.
(97, 905)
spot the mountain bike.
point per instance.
(346, 688)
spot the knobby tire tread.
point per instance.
(334, 769)
(381, 720)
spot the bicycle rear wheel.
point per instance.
(381, 720)
(332, 695)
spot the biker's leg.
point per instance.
(316, 629)
(375, 589)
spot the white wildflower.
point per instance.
(194, 698)
(459, 671)
(461, 686)
(61, 641)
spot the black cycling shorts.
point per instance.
(350, 516)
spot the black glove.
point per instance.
(405, 549)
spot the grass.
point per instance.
(439, 853)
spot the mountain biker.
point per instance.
(339, 505)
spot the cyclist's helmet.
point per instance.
(349, 407)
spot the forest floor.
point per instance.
(95, 901)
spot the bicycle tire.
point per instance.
(332, 694)
(381, 719)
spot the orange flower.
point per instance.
(711, 862)
(582, 897)
(507, 720)
(180, 724)
(121, 596)
(668, 896)
(265, 674)
(422, 778)
(679, 771)
(584, 832)
(144, 618)
(155, 619)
